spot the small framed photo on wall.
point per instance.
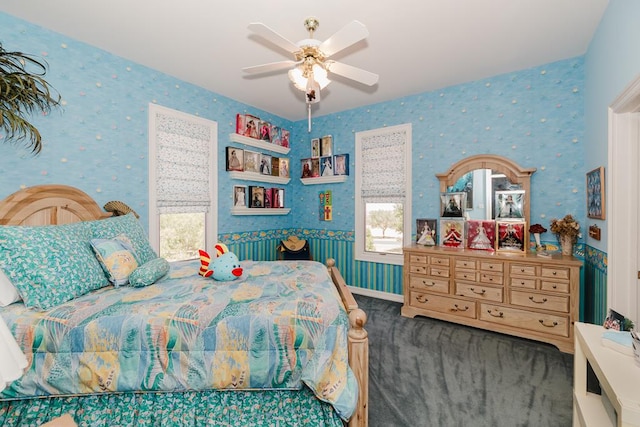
(235, 159)
(452, 233)
(257, 196)
(326, 145)
(251, 161)
(509, 204)
(595, 193)
(341, 164)
(315, 147)
(452, 205)
(512, 236)
(426, 232)
(239, 196)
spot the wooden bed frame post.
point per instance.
(358, 343)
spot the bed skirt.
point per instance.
(198, 408)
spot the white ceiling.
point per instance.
(414, 45)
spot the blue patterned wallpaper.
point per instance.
(98, 142)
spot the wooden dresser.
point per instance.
(523, 295)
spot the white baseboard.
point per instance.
(376, 294)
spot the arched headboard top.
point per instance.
(49, 204)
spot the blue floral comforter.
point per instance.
(281, 325)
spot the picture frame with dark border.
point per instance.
(595, 193)
(512, 236)
(452, 205)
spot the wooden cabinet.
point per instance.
(522, 295)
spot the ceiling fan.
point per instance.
(311, 68)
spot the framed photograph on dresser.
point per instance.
(481, 234)
(512, 236)
(426, 232)
(452, 233)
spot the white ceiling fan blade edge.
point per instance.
(350, 34)
(352, 73)
(273, 37)
(271, 66)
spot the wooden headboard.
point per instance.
(49, 205)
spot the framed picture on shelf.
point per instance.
(426, 232)
(251, 161)
(265, 131)
(511, 236)
(305, 167)
(326, 145)
(326, 166)
(595, 193)
(452, 233)
(240, 196)
(283, 170)
(509, 204)
(275, 166)
(268, 196)
(276, 135)
(481, 235)
(256, 194)
(315, 147)
(265, 164)
(250, 126)
(341, 164)
(277, 195)
(235, 159)
(284, 138)
(452, 205)
(315, 167)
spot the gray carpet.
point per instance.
(426, 372)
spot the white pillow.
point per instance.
(8, 293)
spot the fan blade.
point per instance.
(275, 38)
(352, 73)
(272, 66)
(348, 35)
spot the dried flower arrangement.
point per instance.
(566, 226)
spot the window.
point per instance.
(383, 193)
(182, 178)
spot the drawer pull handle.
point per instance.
(554, 273)
(554, 287)
(491, 267)
(548, 326)
(522, 283)
(522, 270)
(422, 299)
(457, 308)
(496, 314)
(424, 282)
(538, 302)
(476, 292)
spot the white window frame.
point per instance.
(360, 212)
(211, 217)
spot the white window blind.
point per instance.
(383, 166)
(182, 165)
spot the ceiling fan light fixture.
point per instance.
(298, 78)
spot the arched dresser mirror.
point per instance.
(484, 174)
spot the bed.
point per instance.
(283, 345)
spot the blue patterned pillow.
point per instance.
(116, 257)
(149, 273)
(130, 226)
(50, 264)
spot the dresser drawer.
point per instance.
(420, 269)
(523, 270)
(429, 284)
(443, 304)
(478, 291)
(439, 271)
(555, 272)
(469, 264)
(491, 266)
(544, 323)
(520, 282)
(555, 286)
(417, 259)
(471, 276)
(541, 301)
(439, 260)
(492, 279)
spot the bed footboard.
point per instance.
(358, 342)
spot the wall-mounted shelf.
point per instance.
(260, 211)
(258, 143)
(252, 176)
(324, 180)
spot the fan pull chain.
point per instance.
(309, 117)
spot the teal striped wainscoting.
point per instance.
(594, 292)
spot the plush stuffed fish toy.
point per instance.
(224, 267)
